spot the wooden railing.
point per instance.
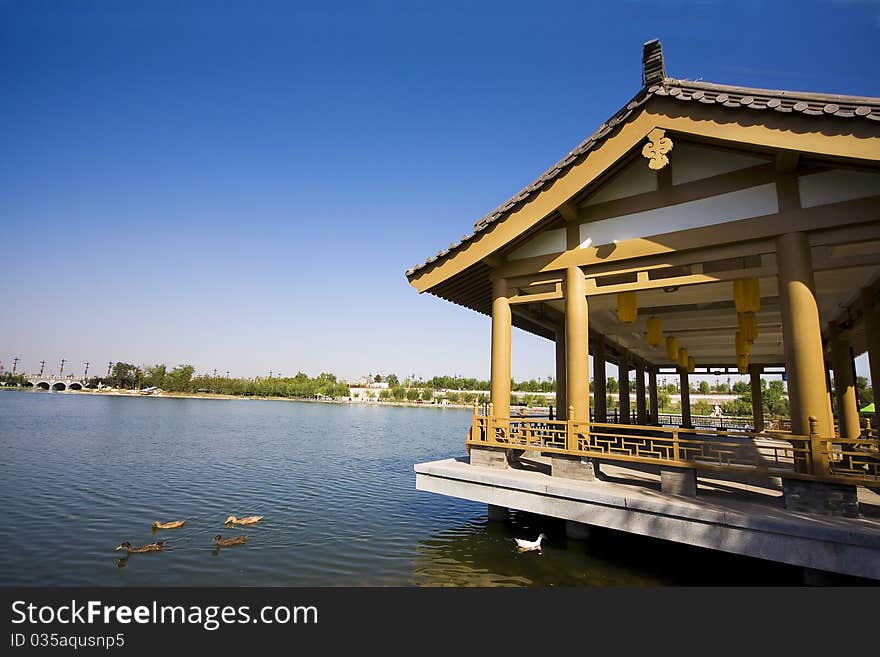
(707, 449)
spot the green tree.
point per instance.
(663, 399)
(392, 380)
(611, 385)
(775, 402)
(180, 378)
(864, 391)
(412, 394)
(704, 387)
(126, 375)
(155, 376)
(398, 392)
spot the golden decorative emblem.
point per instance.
(657, 148)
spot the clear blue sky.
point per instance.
(242, 185)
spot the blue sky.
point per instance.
(242, 185)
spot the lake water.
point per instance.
(79, 474)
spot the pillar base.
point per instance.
(498, 513)
(489, 457)
(805, 496)
(577, 531)
(679, 481)
(572, 467)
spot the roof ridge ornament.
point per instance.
(656, 149)
(653, 69)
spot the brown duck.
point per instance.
(174, 524)
(158, 546)
(247, 520)
(226, 542)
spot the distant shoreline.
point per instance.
(211, 395)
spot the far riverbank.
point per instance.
(211, 395)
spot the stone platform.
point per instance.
(744, 516)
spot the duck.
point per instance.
(158, 546)
(525, 546)
(174, 524)
(247, 520)
(224, 542)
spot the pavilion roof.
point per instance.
(656, 83)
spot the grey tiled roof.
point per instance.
(787, 102)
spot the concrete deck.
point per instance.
(744, 516)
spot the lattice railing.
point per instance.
(857, 458)
(851, 461)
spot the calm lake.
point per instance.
(79, 474)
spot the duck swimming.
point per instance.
(525, 546)
(225, 542)
(152, 547)
(174, 524)
(247, 520)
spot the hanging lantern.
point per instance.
(748, 326)
(743, 346)
(747, 295)
(655, 331)
(672, 348)
(627, 310)
(683, 357)
(754, 292)
(742, 364)
(691, 365)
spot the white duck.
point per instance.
(524, 545)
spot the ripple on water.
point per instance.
(335, 484)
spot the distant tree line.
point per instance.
(183, 379)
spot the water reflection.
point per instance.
(483, 553)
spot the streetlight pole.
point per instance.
(15, 363)
(61, 373)
(109, 367)
(86, 373)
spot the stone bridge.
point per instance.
(70, 382)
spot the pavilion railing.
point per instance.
(709, 449)
(854, 459)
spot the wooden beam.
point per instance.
(757, 228)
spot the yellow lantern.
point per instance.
(747, 295)
(692, 365)
(672, 348)
(742, 345)
(754, 289)
(627, 309)
(748, 326)
(655, 331)
(742, 364)
(683, 357)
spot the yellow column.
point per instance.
(577, 344)
(757, 396)
(803, 337)
(871, 313)
(844, 386)
(641, 417)
(561, 393)
(600, 393)
(500, 393)
(652, 393)
(623, 387)
(684, 386)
